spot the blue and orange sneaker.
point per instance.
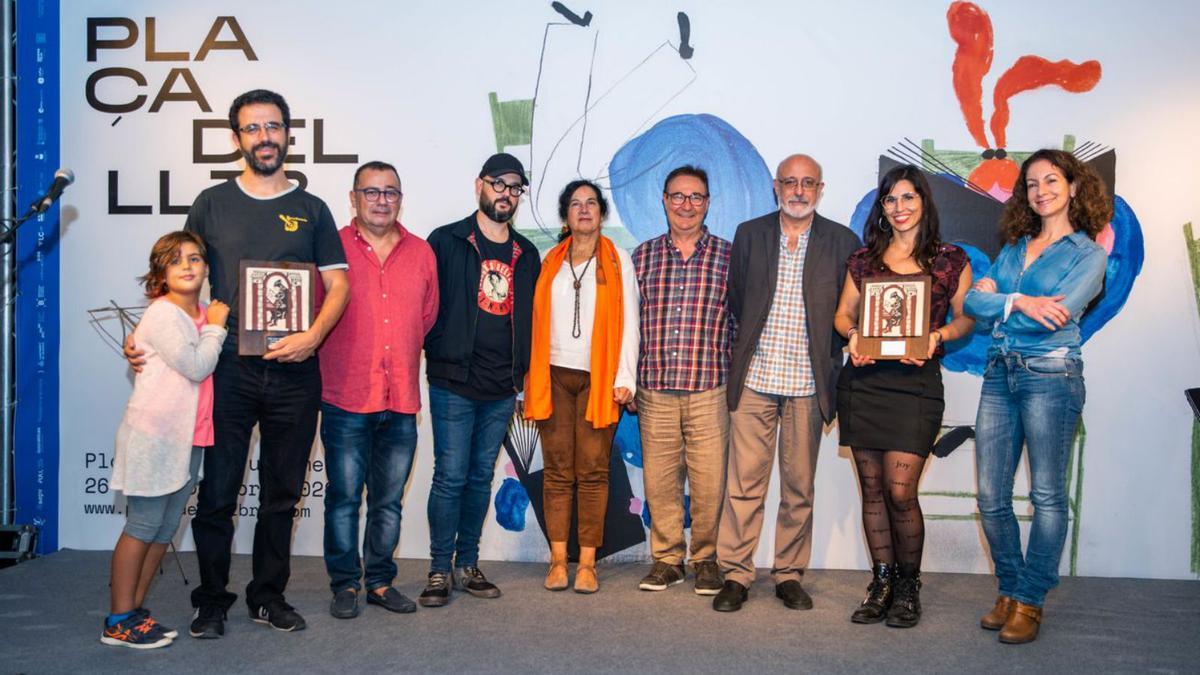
(145, 613)
(135, 632)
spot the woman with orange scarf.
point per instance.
(583, 368)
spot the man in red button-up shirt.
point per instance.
(370, 391)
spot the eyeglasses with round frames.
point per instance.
(678, 198)
(390, 195)
(907, 200)
(500, 186)
(269, 127)
(808, 184)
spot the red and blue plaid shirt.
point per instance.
(685, 322)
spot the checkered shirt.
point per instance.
(685, 318)
(781, 364)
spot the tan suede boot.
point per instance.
(585, 573)
(994, 620)
(556, 578)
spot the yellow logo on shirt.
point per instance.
(291, 223)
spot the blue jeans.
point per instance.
(375, 450)
(466, 439)
(1035, 402)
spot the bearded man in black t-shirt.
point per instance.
(260, 215)
(476, 356)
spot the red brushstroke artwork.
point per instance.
(971, 30)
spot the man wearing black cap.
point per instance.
(476, 356)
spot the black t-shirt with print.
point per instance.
(490, 374)
(293, 227)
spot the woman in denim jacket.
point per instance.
(1032, 298)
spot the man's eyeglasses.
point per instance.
(500, 186)
(889, 202)
(390, 195)
(678, 198)
(808, 184)
(253, 129)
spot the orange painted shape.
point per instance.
(971, 30)
(1032, 72)
(996, 176)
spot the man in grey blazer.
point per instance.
(786, 271)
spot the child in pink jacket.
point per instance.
(167, 425)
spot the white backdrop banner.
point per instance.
(622, 94)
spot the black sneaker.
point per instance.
(437, 591)
(708, 578)
(471, 580)
(208, 623)
(278, 615)
(344, 604)
(661, 576)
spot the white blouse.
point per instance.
(576, 353)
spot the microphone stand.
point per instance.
(9, 234)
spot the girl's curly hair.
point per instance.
(1090, 209)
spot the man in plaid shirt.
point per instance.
(681, 402)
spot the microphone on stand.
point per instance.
(62, 178)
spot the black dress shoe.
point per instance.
(344, 604)
(793, 595)
(392, 600)
(731, 597)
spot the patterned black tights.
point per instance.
(891, 514)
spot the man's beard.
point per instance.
(264, 168)
(798, 210)
(489, 209)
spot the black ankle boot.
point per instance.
(879, 596)
(906, 600)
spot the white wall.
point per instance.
(408, 83)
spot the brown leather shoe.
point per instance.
(1022, 625)
(994, 620)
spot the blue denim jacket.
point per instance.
(1073, 266)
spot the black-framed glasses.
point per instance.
(390, 195)
(907, 200)
(678, 198)
(808, 183)
(500, 186)
(269, 127)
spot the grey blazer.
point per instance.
(753, 272)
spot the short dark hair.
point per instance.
(259, 96)
(161, 254)
(564, 203)
(376, 165)
(686, 170)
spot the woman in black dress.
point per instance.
(890, 412)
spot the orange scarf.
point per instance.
(607, 329)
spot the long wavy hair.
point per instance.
(877, 232)
(1090, 209)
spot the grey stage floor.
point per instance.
(51, 610)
